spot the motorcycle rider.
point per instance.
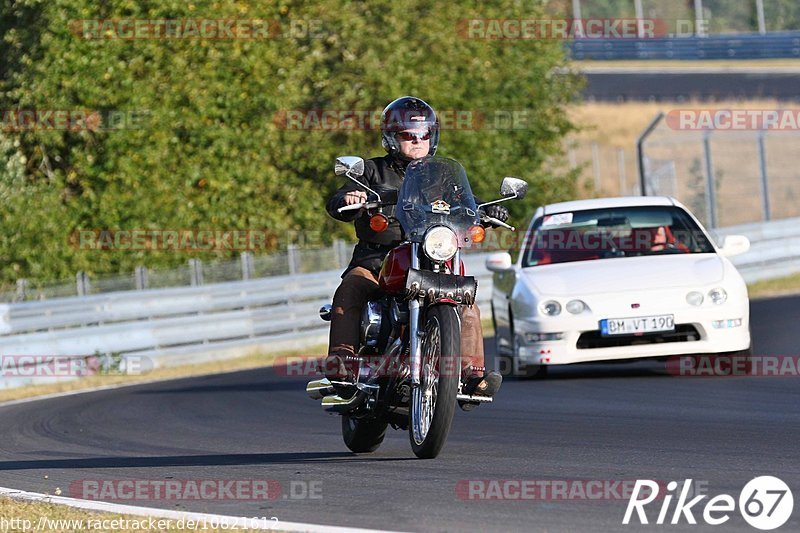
(409, 131)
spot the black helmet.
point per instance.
(407, 113)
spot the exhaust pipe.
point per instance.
(319, 388)
(338, 405)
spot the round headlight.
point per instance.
(551, 308)
(718, 295)
(440, 243)
(576, 307)
(694, 298)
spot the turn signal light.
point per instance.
(477, 233)
(378, 223)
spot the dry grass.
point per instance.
(608, 140)
(785, 286)
(618, 125)
(159, 374)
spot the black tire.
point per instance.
(363, 436)
(446, 347)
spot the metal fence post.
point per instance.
(698, 18)
(291, 258)
(596, 166)
(621, 166)
(640, 151)
(576, 15)
(711, 189)
(637, 6)
(141, 278)
(22, 290)
(343, 253)
(196, 272)
(762, 27)
(82, 281)
(762, 167)
(247, 265)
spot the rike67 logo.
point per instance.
(765, 503)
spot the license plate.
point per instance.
(635, 325)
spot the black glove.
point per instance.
(496, 211)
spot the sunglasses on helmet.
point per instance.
(411, 135)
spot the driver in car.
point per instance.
(409, 131)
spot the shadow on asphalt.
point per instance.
(197, 460)
(257, 386)
(627, 369)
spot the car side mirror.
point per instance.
(351, 165)
(513, 187)
(734, 245)
(499, 262)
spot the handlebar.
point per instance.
(372, 205)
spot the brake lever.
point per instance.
(496, 222)
(356, 207)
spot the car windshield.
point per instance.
(435, 191)
(614, 232)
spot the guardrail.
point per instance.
(192, 324)
(724, 46)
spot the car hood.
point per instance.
(625, 274)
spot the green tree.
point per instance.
(208, 149)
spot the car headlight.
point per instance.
(694, 298)
(718, 295)
(440, 244)
(576, 307)
(550, 308)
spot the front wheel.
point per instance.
(363, 436)
(433, 402)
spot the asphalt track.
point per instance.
(599, 422)
(686, 84)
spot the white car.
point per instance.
(616, 278)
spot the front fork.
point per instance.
(416, 330)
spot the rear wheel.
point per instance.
(363, 436)
(433, 402)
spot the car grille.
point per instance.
(682, 333)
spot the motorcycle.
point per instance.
(408, 368)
